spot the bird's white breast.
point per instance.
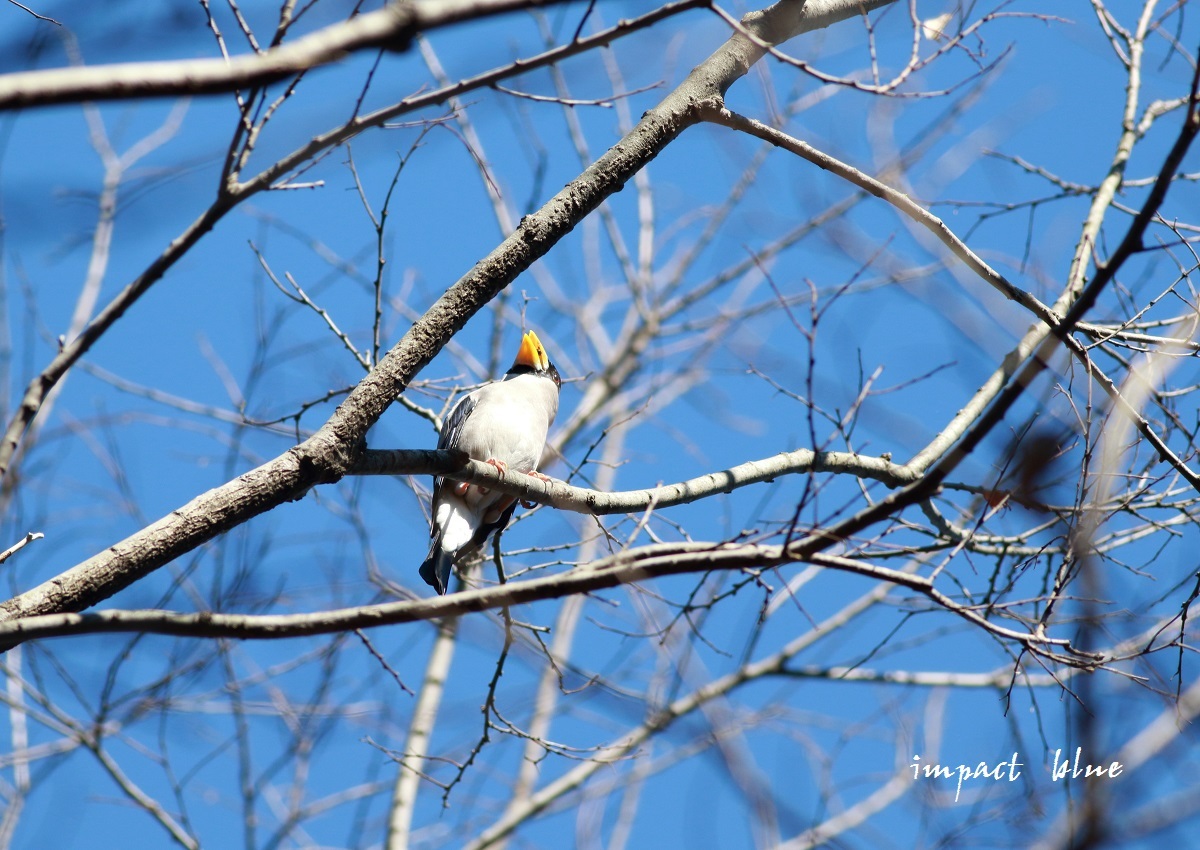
(510, 421)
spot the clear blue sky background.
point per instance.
(1053, 98)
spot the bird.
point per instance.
(503, 423)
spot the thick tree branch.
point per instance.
(230, 195)
(328, 454)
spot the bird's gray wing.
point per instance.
(451, 436)
(452, 428)
(439, 564)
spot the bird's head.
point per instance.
(532, 359)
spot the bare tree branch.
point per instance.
(328, 454)
(392, 28)
(624, 568)
(458, 466)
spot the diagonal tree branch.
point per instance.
(1039, 360)
(233, 193)
(329, 454)
(973, 261)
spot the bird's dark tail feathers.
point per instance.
(437, 566)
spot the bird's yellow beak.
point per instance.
(532, 354)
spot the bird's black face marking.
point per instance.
(551, 372)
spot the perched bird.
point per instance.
(503, 423)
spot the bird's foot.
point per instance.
(500, 467)
(527, 504)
